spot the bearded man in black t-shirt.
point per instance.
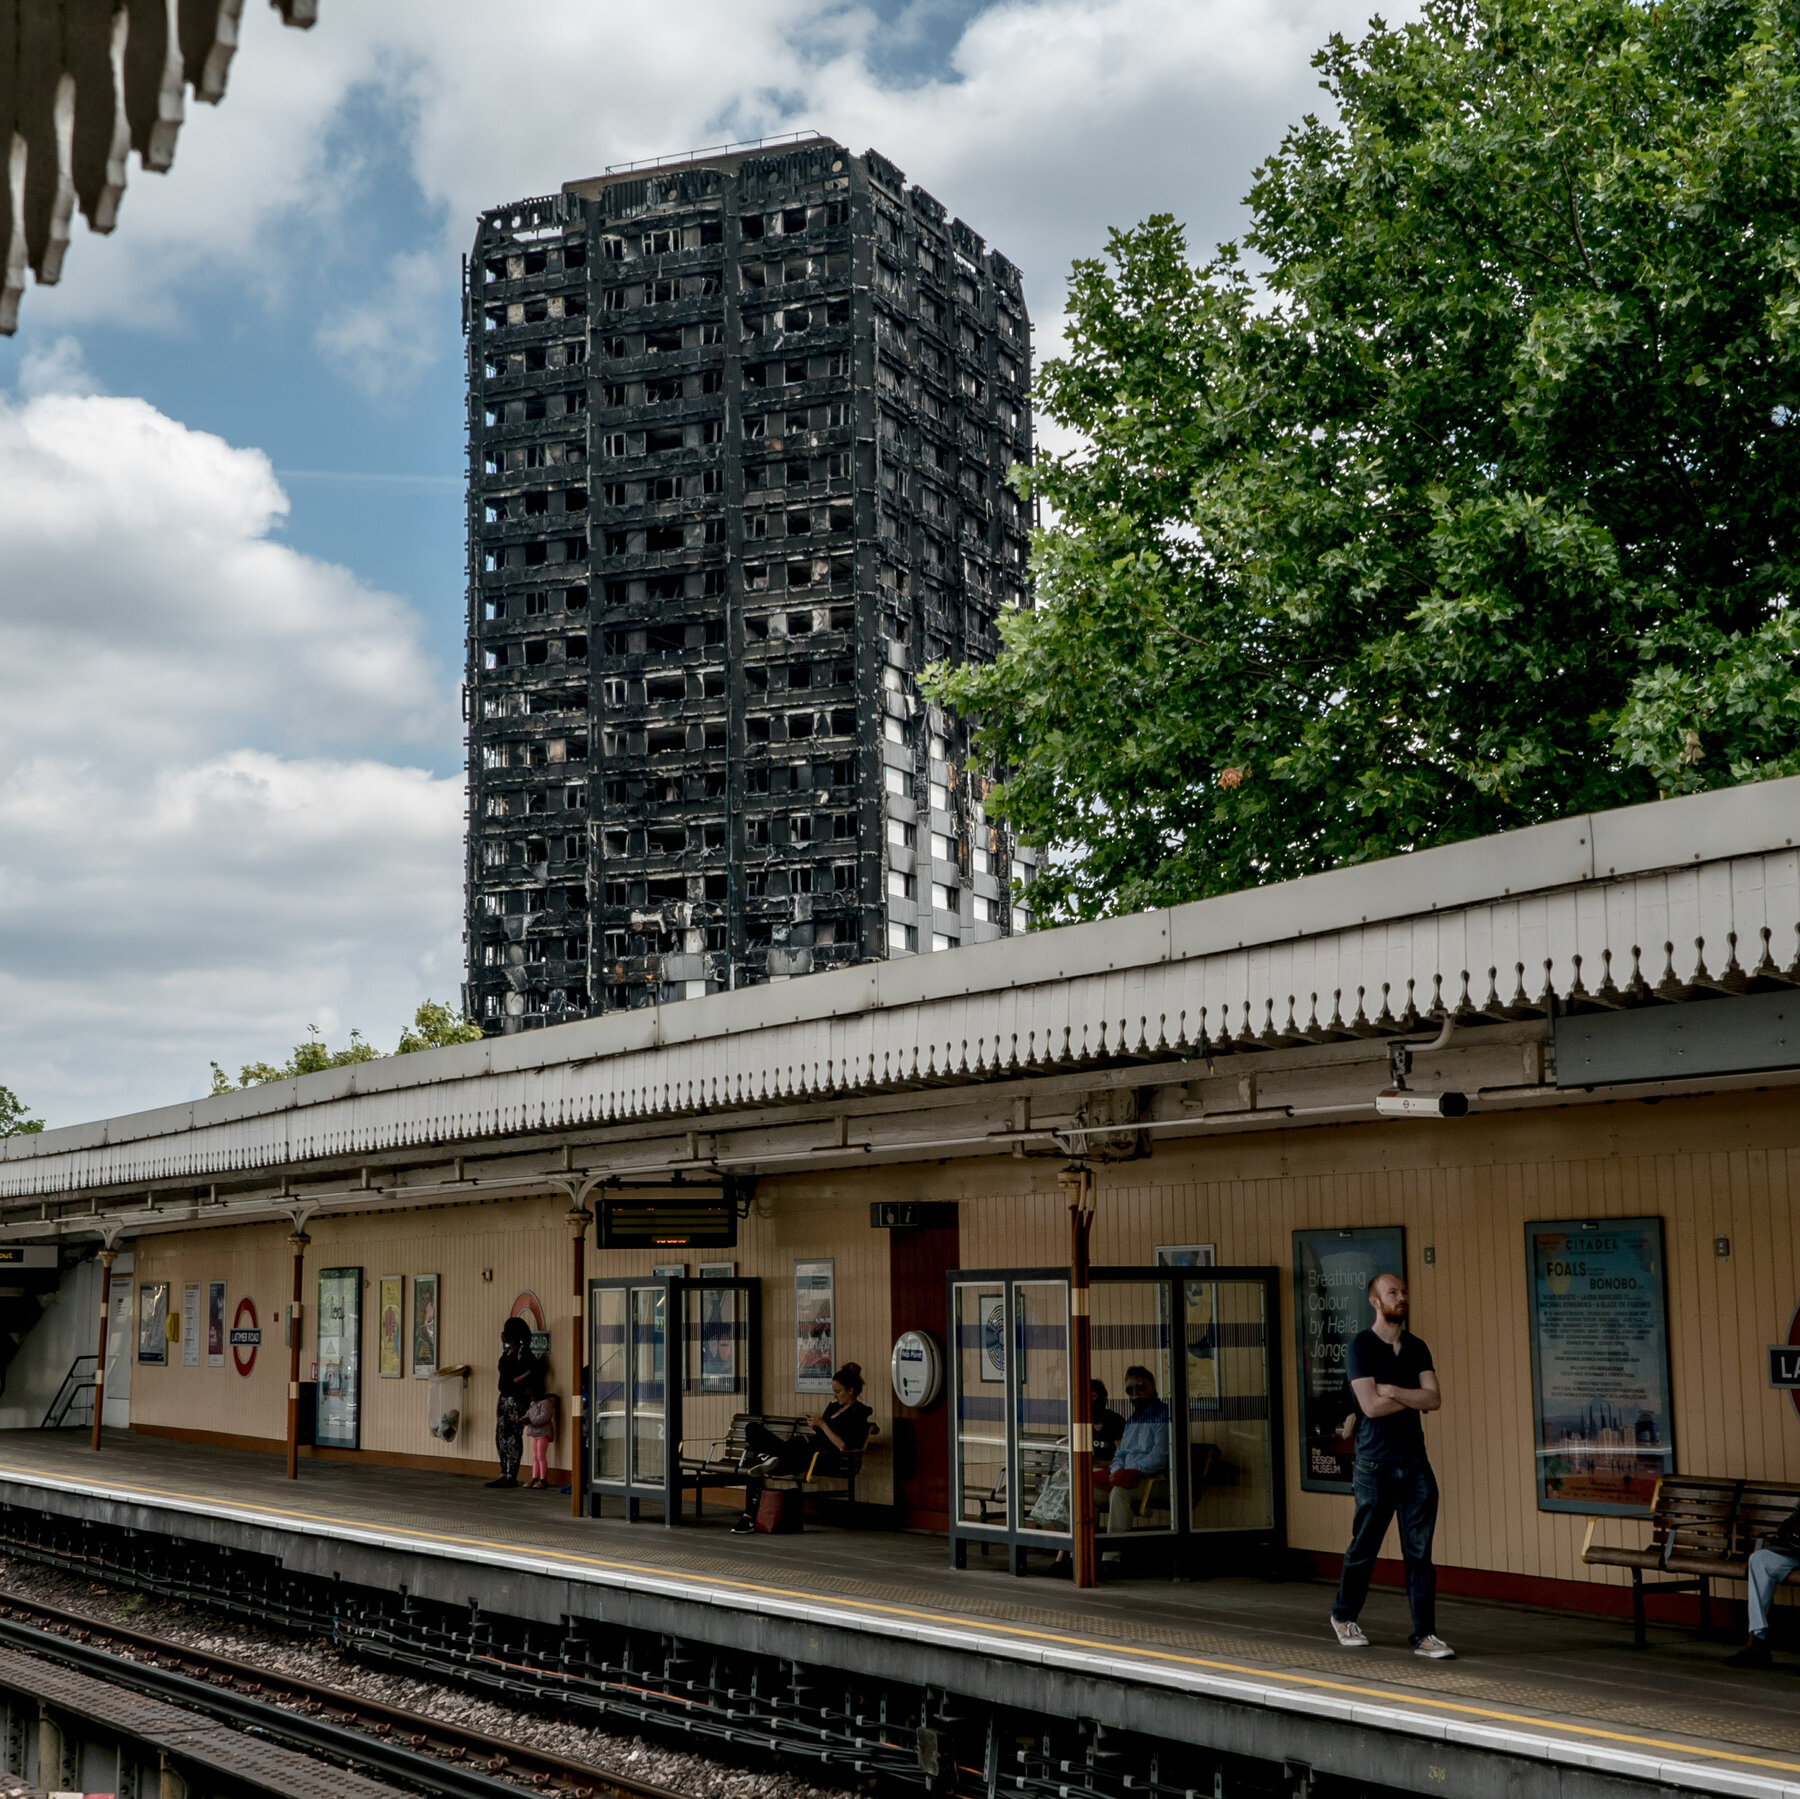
(1391, 1374)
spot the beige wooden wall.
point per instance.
(1714, 1167)
(523, 1241)
(526, 1245)
(1708, 1168)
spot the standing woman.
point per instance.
(521, 1381)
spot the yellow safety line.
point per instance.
(1100, 1646)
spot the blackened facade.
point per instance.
(739, 436)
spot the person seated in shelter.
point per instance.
(1143, 1450)
(839, 1431)
(1771, 1562)
(1109, 1427)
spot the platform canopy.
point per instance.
(83, 83)
(1655, 949)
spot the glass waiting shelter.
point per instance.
(654, 1386)
(1189, 1359)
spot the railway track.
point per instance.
(382, 1741)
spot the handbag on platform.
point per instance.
(780, 1511)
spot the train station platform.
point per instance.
(1245, 1665)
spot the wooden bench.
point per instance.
(721, 1463)
(1702, 1528)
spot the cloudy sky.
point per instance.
(231, 538)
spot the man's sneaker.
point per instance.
(1434, 1649)
(1754, 1654)
(1350, 1634)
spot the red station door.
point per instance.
(919, 1256)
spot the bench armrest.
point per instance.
(1595, 1521)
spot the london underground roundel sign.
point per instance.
(246, 1337)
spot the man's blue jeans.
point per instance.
(1769, 1567)
(1386, 1491)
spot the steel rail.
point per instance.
(430, 1753)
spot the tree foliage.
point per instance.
(1476, 506)
(14, 1118)
(434, 1025)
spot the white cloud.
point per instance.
(58, 367)
(1058, 118)
(377, 341)
(202, 848)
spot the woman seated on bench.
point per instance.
(840, 1430)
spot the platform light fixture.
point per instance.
(1403, 1102)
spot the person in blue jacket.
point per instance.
(1143, 1449)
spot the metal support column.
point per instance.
(578, 1222)
(1079, 1183)
(297, 1242)
(108, 1256)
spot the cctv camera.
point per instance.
(1401, 1102)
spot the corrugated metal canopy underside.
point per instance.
(1584, 915)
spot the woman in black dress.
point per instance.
(522, 1379)
(840, 1430)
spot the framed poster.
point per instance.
(1332, 1271)
(1600, 1398)
(993, 1336)
(718, 1329)
(390, 1301)
(153, 1319)
(815, 1296)
(215, 1324)
(190, 1324)
(1186, 1255)
(340, 1358)
(425, 1326)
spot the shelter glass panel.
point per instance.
(979, 1333)
(649, 1375)
(1039, 1377)
(608, 1379)
(1231, 1444)
(1131, 1349)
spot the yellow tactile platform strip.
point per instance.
(1436, 1689)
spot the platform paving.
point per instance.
(1571, 1679)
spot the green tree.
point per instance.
(13, 1119)
(1473, 500)
(433, 1025)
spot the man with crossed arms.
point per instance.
(1391, 1374)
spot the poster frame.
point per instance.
(190, 1323)
(990, 1314)
(719, 1316)
(1394, 1262)
(390, 1356)
(153, 1318)
(350, 1436)
(1595, 1508)
(215, 1324)
(427, 1326)
(820, 1275)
